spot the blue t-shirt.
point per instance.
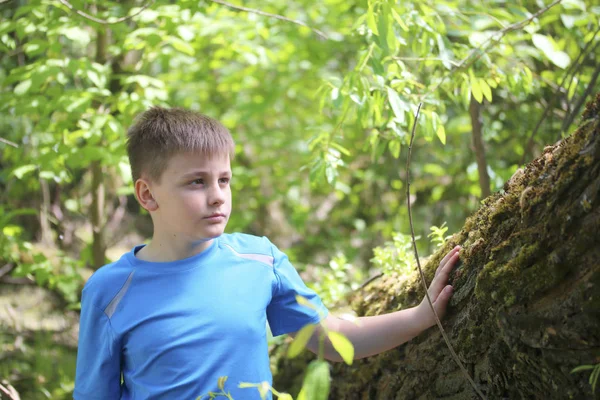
(173, 328)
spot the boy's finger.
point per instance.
(446, 258)
(441, 279)
(441, 303)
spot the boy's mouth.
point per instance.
(216, 217)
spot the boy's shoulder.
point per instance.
(107, 280)
(246, 243)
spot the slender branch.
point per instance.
(477, 52)
(414, 242)
(266, 14)
(103, 21)
(478, 147)
(5, 1)
(584, 96)
(371, 279)
(2, 140)
(426, 59)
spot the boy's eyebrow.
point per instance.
(204, 173)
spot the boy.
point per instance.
(192, 305)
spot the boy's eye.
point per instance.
(198, 181)
(224, 180)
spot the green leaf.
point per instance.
(342, 345)
(394, 147)
(341, 148)
(301, 339)
(23, 87)
(398, 106)
(95, 78)
(182, 46)
(285, 396)
(23, 170)
(371, 21)
(548, 47)
(221, 382)
(303, 301)
(440, 130)
(485, 89)
(399, 20)
(317, 381)
(476, 90)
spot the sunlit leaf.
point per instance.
(342, 345)
(301, 339)
(317, 381)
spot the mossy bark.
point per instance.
(526, 308)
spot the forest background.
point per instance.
(320, 98)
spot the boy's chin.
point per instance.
(212, 233)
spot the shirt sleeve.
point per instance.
(284, 313)
(98, 370)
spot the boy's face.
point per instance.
(193, 198)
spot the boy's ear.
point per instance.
(144, 195)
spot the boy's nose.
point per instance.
(216, 196)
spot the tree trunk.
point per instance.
(526, 308)
(478, 147)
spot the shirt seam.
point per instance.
(231, 248)
(114, 333)
(277, 278)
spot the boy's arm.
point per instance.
(374, 335)
(98, 369)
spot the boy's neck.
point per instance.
(167, 251)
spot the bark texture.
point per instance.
(526, 308)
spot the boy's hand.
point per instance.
(439, 291)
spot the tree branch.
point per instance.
(2, 140)
(477, 52)
(478, 147)
(103, 21)
(423, 280)
(426, 59)
(266, 14)
(569, 120)
(575, 66)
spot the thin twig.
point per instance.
(266, 14)
(103, 21)
(426, 59)
(479, 50)
(414, 242)
(571, 117)
(371, 279)
(9, 142)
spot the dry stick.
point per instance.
(483, 46)
(103, 21)
(412, 232)
(9, 142)
(266, 14)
